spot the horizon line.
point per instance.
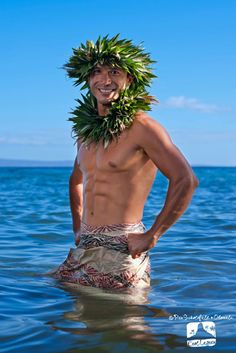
(6, 162)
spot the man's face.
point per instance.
(106, 83)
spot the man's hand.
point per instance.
(139, 243)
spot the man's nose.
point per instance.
(106, 79)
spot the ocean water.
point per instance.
(193, 273)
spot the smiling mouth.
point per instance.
(106, 91)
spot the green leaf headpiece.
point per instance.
(115, 52)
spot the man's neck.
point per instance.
(103, 109)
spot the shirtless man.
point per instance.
(109, 187)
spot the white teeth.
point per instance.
(106, 90)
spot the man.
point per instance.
(120, 149)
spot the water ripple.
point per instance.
(193, 271)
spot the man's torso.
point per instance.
(116, 180)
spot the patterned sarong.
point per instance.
(102, 259)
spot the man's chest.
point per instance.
(121, 155)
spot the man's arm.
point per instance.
(76, 199)
(157, 144)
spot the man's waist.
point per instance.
(124, 227)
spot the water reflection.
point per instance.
(117, 317)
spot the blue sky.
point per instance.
(192, 41)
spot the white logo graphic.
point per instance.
(201, 334)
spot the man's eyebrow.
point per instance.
(95, 68)
(116, 68)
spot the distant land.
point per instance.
(32, 163)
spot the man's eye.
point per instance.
(96, 71)
(115, 72)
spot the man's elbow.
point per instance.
(190, 181)
(195, 182)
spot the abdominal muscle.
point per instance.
(114, 198)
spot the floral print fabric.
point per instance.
(102, 259)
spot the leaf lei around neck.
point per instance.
(89, 127)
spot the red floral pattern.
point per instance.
(85, 274)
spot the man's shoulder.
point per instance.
(142, 118)
(149, 132)
(146, 123)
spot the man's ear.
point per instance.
(130, 79)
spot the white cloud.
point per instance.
(181, 102)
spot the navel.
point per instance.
(112, 164)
